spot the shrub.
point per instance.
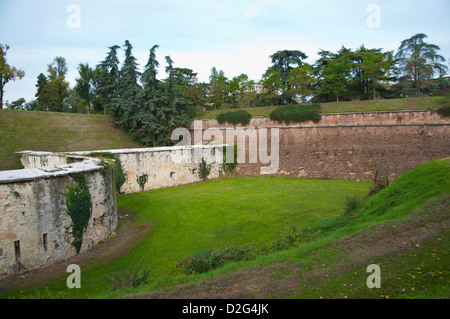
(352, 202)
(444, 111)
(196, 263)
(205, 169)
(296, 113)
(130, 279)
(208, 260)
(235, 118)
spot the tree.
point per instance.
(57, 88)
(18, 104)
(271, 81)
(282, 63)
(301, 81)
(218, 93)
(7, 73)
(334, 73)
(125, 106)
(377, 67)
(106, 77)
(42, 94)
(84, 86)
(419, 60)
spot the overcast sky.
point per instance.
(236, 36)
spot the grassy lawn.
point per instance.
(423, 103)
(55, 132)
(211, 215)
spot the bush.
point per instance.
(296, 113)
(208, 260)
(444, 111)
(130, 279)
(352, 202)
(235, 118)
(205, 169)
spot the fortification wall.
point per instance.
(35, 229)
(165, 166)
(345, 146)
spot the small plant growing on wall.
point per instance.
(141, 180)
(227, 168)
(79, 208)
(381, 179)
(205, 169)
(120, 174)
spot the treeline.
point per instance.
(149, 108)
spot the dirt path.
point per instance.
(125, 237)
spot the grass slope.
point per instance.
(422, 103)
(55, 132)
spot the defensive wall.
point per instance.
(342, 145)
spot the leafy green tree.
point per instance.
(334, 73)
(271, 81)
(18, 104)
(301, 81)
(282, 63)
(377, 67)
(239, 88)
(57, 88)
(419, 61)
(7, 73)
(218, 92)
(84, 86)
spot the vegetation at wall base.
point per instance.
(228, 166)
(204, 170)
(296, 113)
(235, 118)
(444, 111)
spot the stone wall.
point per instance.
(165, 166)
(347, 145)
(35, 229)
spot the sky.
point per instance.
(236, 36)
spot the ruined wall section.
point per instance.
(35, 229)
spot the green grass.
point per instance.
(55, 132)
(422, 103)
(211, 215)
(244, 210)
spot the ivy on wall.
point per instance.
(79, 208)
(227, 168)
(141, 180)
